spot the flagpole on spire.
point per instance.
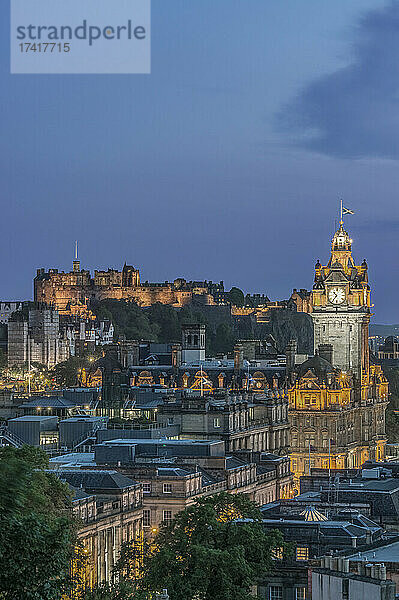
(341, 221)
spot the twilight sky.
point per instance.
(227, 162)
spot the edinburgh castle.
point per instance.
(73, 292)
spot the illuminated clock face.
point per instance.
(336, 295)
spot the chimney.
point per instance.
(326, 352)
(238, 358)
(290, 353)
(176, 356)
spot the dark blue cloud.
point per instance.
(354, 112)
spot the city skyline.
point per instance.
(207, 168)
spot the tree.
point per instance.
(127, 318)
(122, 590)
(166, 319)
(67, 373)
(224, 338)
(208, 553)
(236, 296)
(37, 533)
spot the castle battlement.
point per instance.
(78, 288)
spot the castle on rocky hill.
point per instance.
(74, 291)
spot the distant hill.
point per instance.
(384, 330)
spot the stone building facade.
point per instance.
(175, 473)
(109, 508)
(338, 399)
(256, 422)
(73, 291)
(36, 337)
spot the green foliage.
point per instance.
(207, 554)
(128, 319)
(117, 591)
(157, 323)
(224, 339)
(68, 373)
(236, 296)
(38, 535)
(166, 320)
(162, 323)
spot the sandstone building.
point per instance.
(337, 399)
(72, 292)
(109, 508)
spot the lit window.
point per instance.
(276, 592)
(167, 488)
(167, 517)
(146, 518)
(147, 488)
(300, 593)
(302, 553)
(277, 553)
(216, 422)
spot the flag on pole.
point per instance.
(347, 211)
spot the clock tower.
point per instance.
(341, 307)
(337, 399)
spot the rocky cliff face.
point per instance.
(286, 325)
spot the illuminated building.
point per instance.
(337, 399)
(109, 510)
(72, 293)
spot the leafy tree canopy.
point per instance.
(207, 554)
(236, 296)
(37, 534)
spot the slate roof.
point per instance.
(48, 402)
(96, 480)
(174, 472)
(387, 553)
(317, 364)
(232, 462)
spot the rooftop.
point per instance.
(163, 442)
(96, 480)
(387, 553)
(30, 418)
(48, 402)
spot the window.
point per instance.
(170, 420)
(277, 553)
(147, 488)
(300, 593)
(146, 518)
(167, 517)
(167, 488)
(216, 422)
(302, 553)
(276, 592)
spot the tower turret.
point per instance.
(76, 262)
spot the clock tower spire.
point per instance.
(341, 307)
